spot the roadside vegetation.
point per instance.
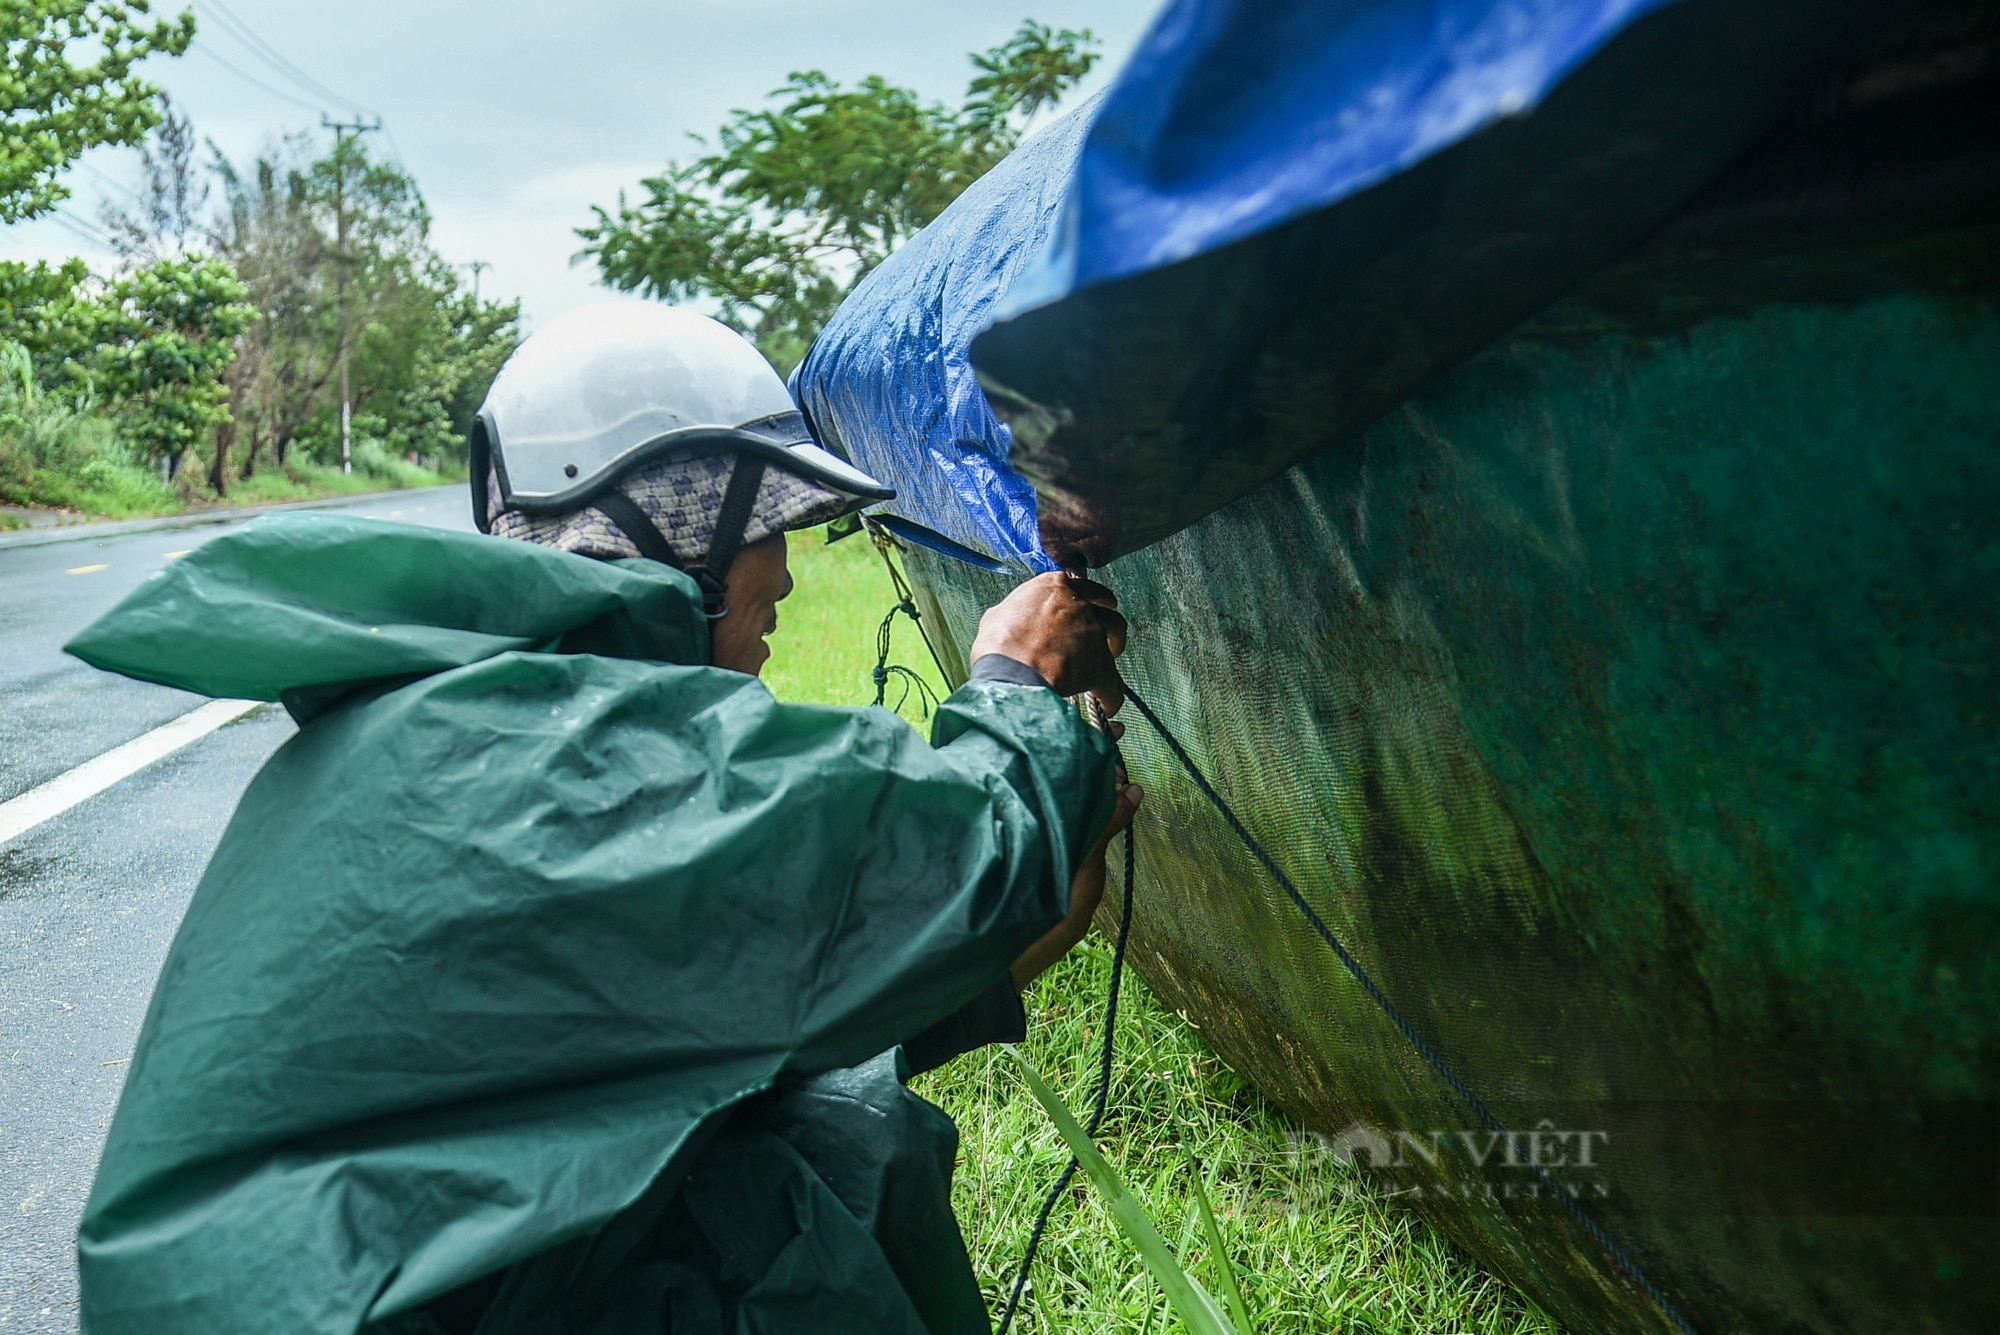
(1314, 1247)
(203, 365)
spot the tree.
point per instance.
(152, 347)
(424, 389)
(422, 350)
(167, 215)
(270, 232)
(797, 202)
(225, 330)
(47, 310)
(69, 85)
(167, 334)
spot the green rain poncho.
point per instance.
(542, 939)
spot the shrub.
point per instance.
(55, 449)
(373, 458)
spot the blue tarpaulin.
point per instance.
(1278, 222)
(1229, 119)
(1234, 117)
(890, 382)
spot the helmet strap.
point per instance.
(626, 516)
(730, 522)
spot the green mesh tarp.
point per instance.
(1627, 703)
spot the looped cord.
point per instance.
(906, 599)
(884, 669)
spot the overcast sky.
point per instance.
(515, 116)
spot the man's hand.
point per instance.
(1085, 893)
(1064, 627)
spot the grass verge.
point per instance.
(312, 483)
(104, 487)
(1317, 1249)
(824, 651)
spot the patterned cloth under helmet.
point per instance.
(681, 495)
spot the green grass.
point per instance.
(824, 650)
(1318, 1251)
(57, 456)
(99, 487)
(1187, 1296)
(112, 490)
(310, 482)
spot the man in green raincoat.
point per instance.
(553, 977)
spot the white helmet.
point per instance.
(608, 388)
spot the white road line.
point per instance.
(87, 780)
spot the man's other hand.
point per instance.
(1065, 627)
(1085, 893)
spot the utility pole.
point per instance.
(341, 131)
(478, 267)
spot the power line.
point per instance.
(272, 57)
(395, 149)
(82, 227)
(249, 78)
(68, 226)
(228, 21)
(112, 181)
(276, 60)
(79, 220)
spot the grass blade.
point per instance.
(1195, 1306)
(1224, 1267)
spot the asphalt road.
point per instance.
(90, 900)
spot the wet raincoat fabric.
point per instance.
(544, 942)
